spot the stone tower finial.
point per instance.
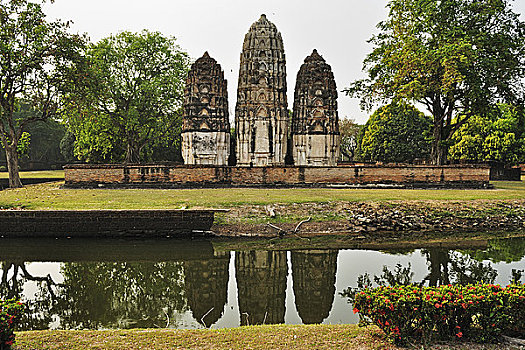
(314, 57)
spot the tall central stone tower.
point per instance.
(261, 114)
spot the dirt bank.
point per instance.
(369, 219)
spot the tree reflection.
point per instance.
(507, 250)
(120, 295)
(445, 267)
(14, 276)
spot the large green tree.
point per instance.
(349, 131)
(397, 133)
(128, 98)
(456, 57)
(33, 55)
(496, 136)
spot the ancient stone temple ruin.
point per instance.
(315, 123)
(261, 115)
(272, 148)
(206, 127)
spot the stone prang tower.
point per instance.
(261, 115)
(315, 123)
(205, 126)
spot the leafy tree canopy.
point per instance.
(398, 133)
(34, 57)
(496, 136)
(456, 57)
(128, 99)
(349, 131)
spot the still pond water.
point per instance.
(77, 284)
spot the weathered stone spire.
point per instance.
(315, 122)
(261, 115)
(206, 127)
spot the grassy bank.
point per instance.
(258, 337)
(48, 174)
(51, 196)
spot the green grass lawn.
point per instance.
(262, 337)
(50, 174)
(51, 196)
(344, 337)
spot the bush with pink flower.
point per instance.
(482, 312)
(10, 313)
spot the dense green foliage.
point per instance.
(456, 57)
(496, 136)
(39, 144)
(127, 102)
(10, 312)
(349, 132)
(474, 312)
(34, 54)
(397, 132)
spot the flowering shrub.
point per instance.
(477, 312)
(10, 312)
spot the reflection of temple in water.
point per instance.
(261, 286)
(313, 273)
(207, 287)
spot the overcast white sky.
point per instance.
(338, 29)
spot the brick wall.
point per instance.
(185, 176)
(102, 223)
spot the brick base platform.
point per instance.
(183, 176)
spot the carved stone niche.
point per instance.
(315, 121)
(205, 126)
(261, 113)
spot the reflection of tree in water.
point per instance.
(99, 295)
(313, 275)
(12, 279)
(445, 267)
(508, 250)
(206, 284)
(119, 295)
(261, 286)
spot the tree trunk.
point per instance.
(132, 154)
(438, 153)
(12, 166)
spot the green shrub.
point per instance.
(475, 312)
(10, 312)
